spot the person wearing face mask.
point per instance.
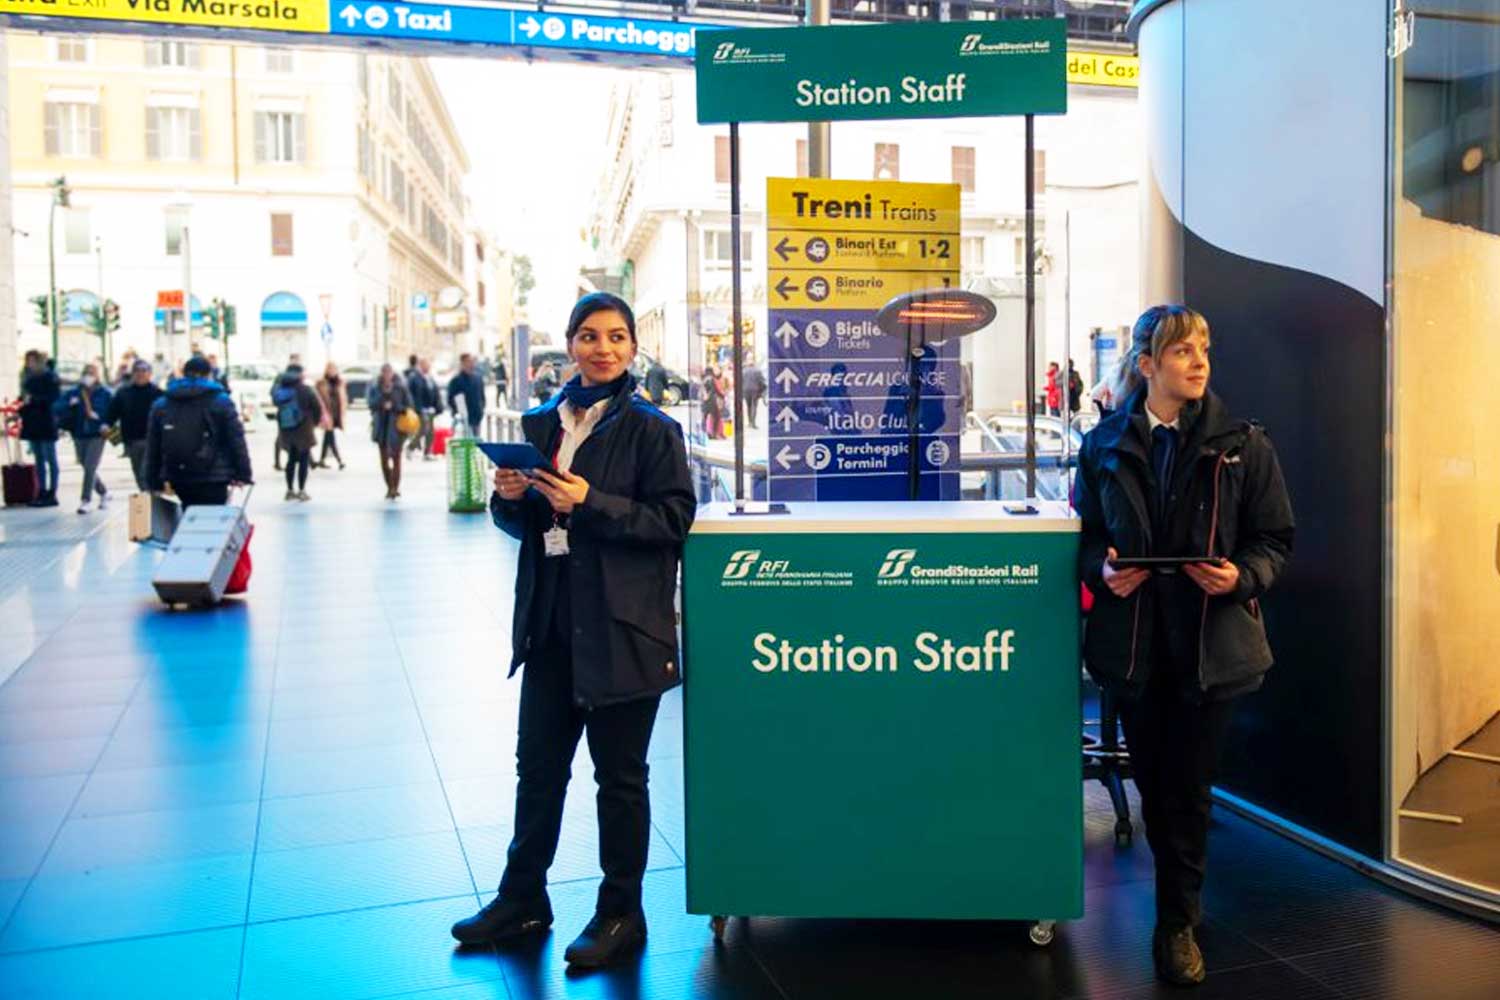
(81, 413)
(1171, 473)
(40, 391)
(131, 410)
(594, 627)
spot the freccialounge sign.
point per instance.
(937, 70)
(274, 15)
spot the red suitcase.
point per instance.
(440, 438)
(20, 477)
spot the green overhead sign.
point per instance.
(938, 70)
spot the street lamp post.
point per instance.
(99, 291)
(60, 194)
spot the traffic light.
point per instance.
(111, 315)
(61, 193)
(93, 320)
(215, 310)
(230, 324)
(42, 316)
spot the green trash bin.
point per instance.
(467, 489)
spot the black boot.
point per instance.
(502, 919)
(606, 940)
(1178, 960)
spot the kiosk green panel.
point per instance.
(882, 712)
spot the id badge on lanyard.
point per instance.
(555, 541)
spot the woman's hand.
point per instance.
(510, 484)
(563, 489)
(1214, 579)
(1122, 582)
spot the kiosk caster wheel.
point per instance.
(1041, 932)
(1124, 833)
(718, 925)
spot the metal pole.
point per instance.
(1030, 306)
(819, 134)
(1067, 394)
(739, 333)
(103, 320)
(913, 411)
(52, 272)
(186, 247)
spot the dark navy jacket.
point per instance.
(73, 418)
(625, 543)
(471, 388)
(42, 391)
(231, 459)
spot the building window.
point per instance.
(717, 247)
(73, 50)
(963, 167)
(183, 55)
(426, 148)
(479, 250)
(393, 92)
(479, 293)
(79, 234)
(366, 155)
(1039, 160)
(280, 137)
(72, 129)
(971, 254)
(279, 61)
(363, 71)
(173, 134)
(803, 167)
(887, 161)
(176, 219)
(721, 159)
(398, 188)
(281, 234)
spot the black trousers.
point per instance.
(298, 460)
(1175, 744)
(196, 494)
(550, 726)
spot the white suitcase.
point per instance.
(202, 554)
(153, 517)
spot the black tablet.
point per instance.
(1162, 564)
(523, 456)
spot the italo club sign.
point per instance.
(939, 70)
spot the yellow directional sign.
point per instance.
(824, 249)
(274, 15)
(845, 289)
(862, 206)
(1104, 69)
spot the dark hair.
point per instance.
(197, 365)
(599, 302)
(412, 360)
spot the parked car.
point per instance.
(357, 379)
(250, 383)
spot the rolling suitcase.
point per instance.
(203, 553)
(153, 517)
(20, 477)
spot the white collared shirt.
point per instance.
(576, 428)
(1156, 421)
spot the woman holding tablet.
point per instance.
(601, 534)
(1195, 499)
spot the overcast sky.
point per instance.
(535, 138)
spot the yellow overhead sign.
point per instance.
(273, 15)
(862, 206)
(1103, 69)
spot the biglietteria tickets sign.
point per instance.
(940, 70)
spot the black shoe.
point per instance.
(502, 919)
(1178, 960)
(606, 940)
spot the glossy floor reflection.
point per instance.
(294, 795)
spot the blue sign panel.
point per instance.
(585, 33)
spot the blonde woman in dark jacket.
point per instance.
(1171, 473)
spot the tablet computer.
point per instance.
(1162, 564)
(522, 457)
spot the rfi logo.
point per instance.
(896, 562)
(970, 43)
(740, 564)
(724, 51)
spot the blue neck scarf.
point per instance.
(582, 397)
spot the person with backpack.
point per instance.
(130, 410)
(81, 413)
(1172, 473)
(194, 439)
(388, 399)
(40, 391)
(298, 414)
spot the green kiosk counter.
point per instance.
(881, 713)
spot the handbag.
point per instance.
(408, 423)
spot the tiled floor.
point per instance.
(294, 795)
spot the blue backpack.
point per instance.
(288, 410)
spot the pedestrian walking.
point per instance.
(1172, 473)
(389, 399)
(40, 391)
(466, 393)
(755, 390)
(333, 394)
(130, 411)
(81, 412)
(195, 442)
(1075, 389)
(502, 384)
(427, 400)
(298, 414)
(546, 383)
(713, 403)
(1054, 389)
(656, 383)
(610, 522)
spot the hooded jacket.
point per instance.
(289, 389)
(131, 409)
(42, 390)
(1228, 498)
(231, 459)
(74, 418)
(625, 542)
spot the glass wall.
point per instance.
(1445, 642)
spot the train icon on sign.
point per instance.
(817, 289)
(816, 250)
